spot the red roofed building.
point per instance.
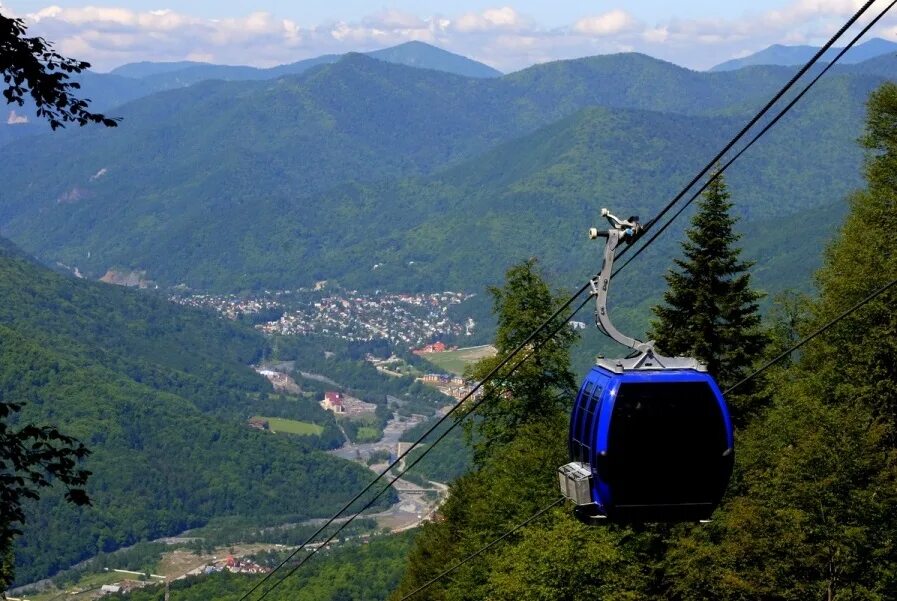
(333, 401)
(436, 347)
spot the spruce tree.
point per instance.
(814, 512)
(710, 311)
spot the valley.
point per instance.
(405, 320)
(265, 284)
(200, 553)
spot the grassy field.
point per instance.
(291, 426)
(368, 434)
(455, 361)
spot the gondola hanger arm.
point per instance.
(625, 232)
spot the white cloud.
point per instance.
(14, 119)
(501, 35)
(504, 18)
(609, 23)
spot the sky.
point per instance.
(506, 34)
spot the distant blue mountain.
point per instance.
(425, 56)
(147, 68)
(778, 54)
(162, 76)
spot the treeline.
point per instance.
(811, 510)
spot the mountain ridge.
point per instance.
(782, 55)
(411, 54)
(297, 161)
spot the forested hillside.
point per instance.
(136, 80)
(160, 394)
(810, 510)
(247, 184)
(357, 173)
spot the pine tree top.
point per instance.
(710, 311)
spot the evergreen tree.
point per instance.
(860, 354)
(710, 311)
(814, 512)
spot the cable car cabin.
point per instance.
(650, 436)
(648, 445)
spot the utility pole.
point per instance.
(166, 590)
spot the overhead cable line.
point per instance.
(760, 114)
(535, 348)
(679, 197)
(878, 292)
(541, 328)
(816, 333)
(529, 339)
(766, 128)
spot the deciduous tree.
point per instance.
(32, 68)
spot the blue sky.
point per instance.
(507, 34)
(551, 14)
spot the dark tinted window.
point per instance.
(590, 411)
(666, 444)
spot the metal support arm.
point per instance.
(599, 287)
(626, 232)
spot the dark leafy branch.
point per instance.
(31, 67)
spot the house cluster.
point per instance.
(442, 380)
(406, 319)
(243, 566)
(229, 305)
(436, 347)
(230, 563)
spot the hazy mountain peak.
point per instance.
(779, 54)
(426, 56)
(148, 68)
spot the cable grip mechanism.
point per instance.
(625, 232)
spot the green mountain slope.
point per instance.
(136, 80)
(274, 184)
(160, 395)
